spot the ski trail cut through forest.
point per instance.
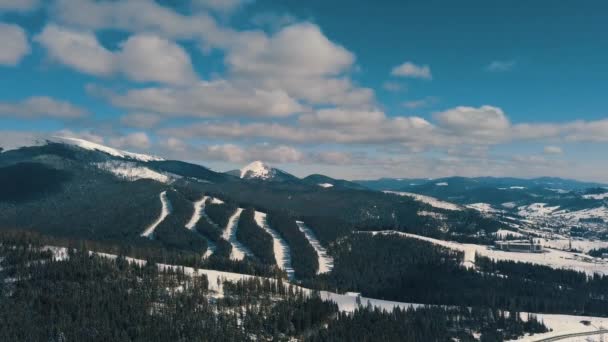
(238, 250)
(326, 263)
(165, 211)
(199, 211)
(282, 253)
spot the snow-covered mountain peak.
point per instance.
(88, 145)
(257, 169)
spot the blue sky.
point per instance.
(350, 89)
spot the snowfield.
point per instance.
(326, 263)
(432, 201)
(132, 172)
(165, 211)
(550, 257)
(441, 184)
(282, 253)
(326, 185)
(91, 146)
(238, 250)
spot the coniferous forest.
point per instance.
(84, 297)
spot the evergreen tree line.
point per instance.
(410, 270)
(88, 298)
(255, 237)
(303, 256)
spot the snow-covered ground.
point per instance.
(441, 184)
(91, 146)
(282, 253)
(132, 172)
(564, 325)
(215, 200)
(432, 201)
(326, 263)
(550, 257)
(503, 233)
(199, 211)
(536, 210)
(597, 196)
(579, 245)
(165, 211)
(483, 208)
(238, 250)
(326, 185)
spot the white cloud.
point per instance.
(136, 140)
(143, 57)
(486, 121)
(78, 49)
(14, 44)
(411, 70)
(500, 66)
(147, 58)
(553, 150)
(41, 107)
(298, 59)
(342, 117)
(18, 5)
(209, 99)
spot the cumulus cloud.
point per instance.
(14, 44)
(208, 99)
(142, 57)
(41, 107)
(18, 5)
(553, 150)
(485, 120)
(411, 70)
(136, 140)
(500, 66)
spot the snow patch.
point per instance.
(258, 170)
(326, 263)
(441, 184)
(282, 253)
(432, 201)
(132, 172)
(326, 185)
(165, 211)
(517, 187)
(596, 196)
(91, 146)
(483, 208)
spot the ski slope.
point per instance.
(550, 257)
(326, 263)
(165, 211)
(238, 250)
(132, 172)
(199, 211)
(282, 253)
